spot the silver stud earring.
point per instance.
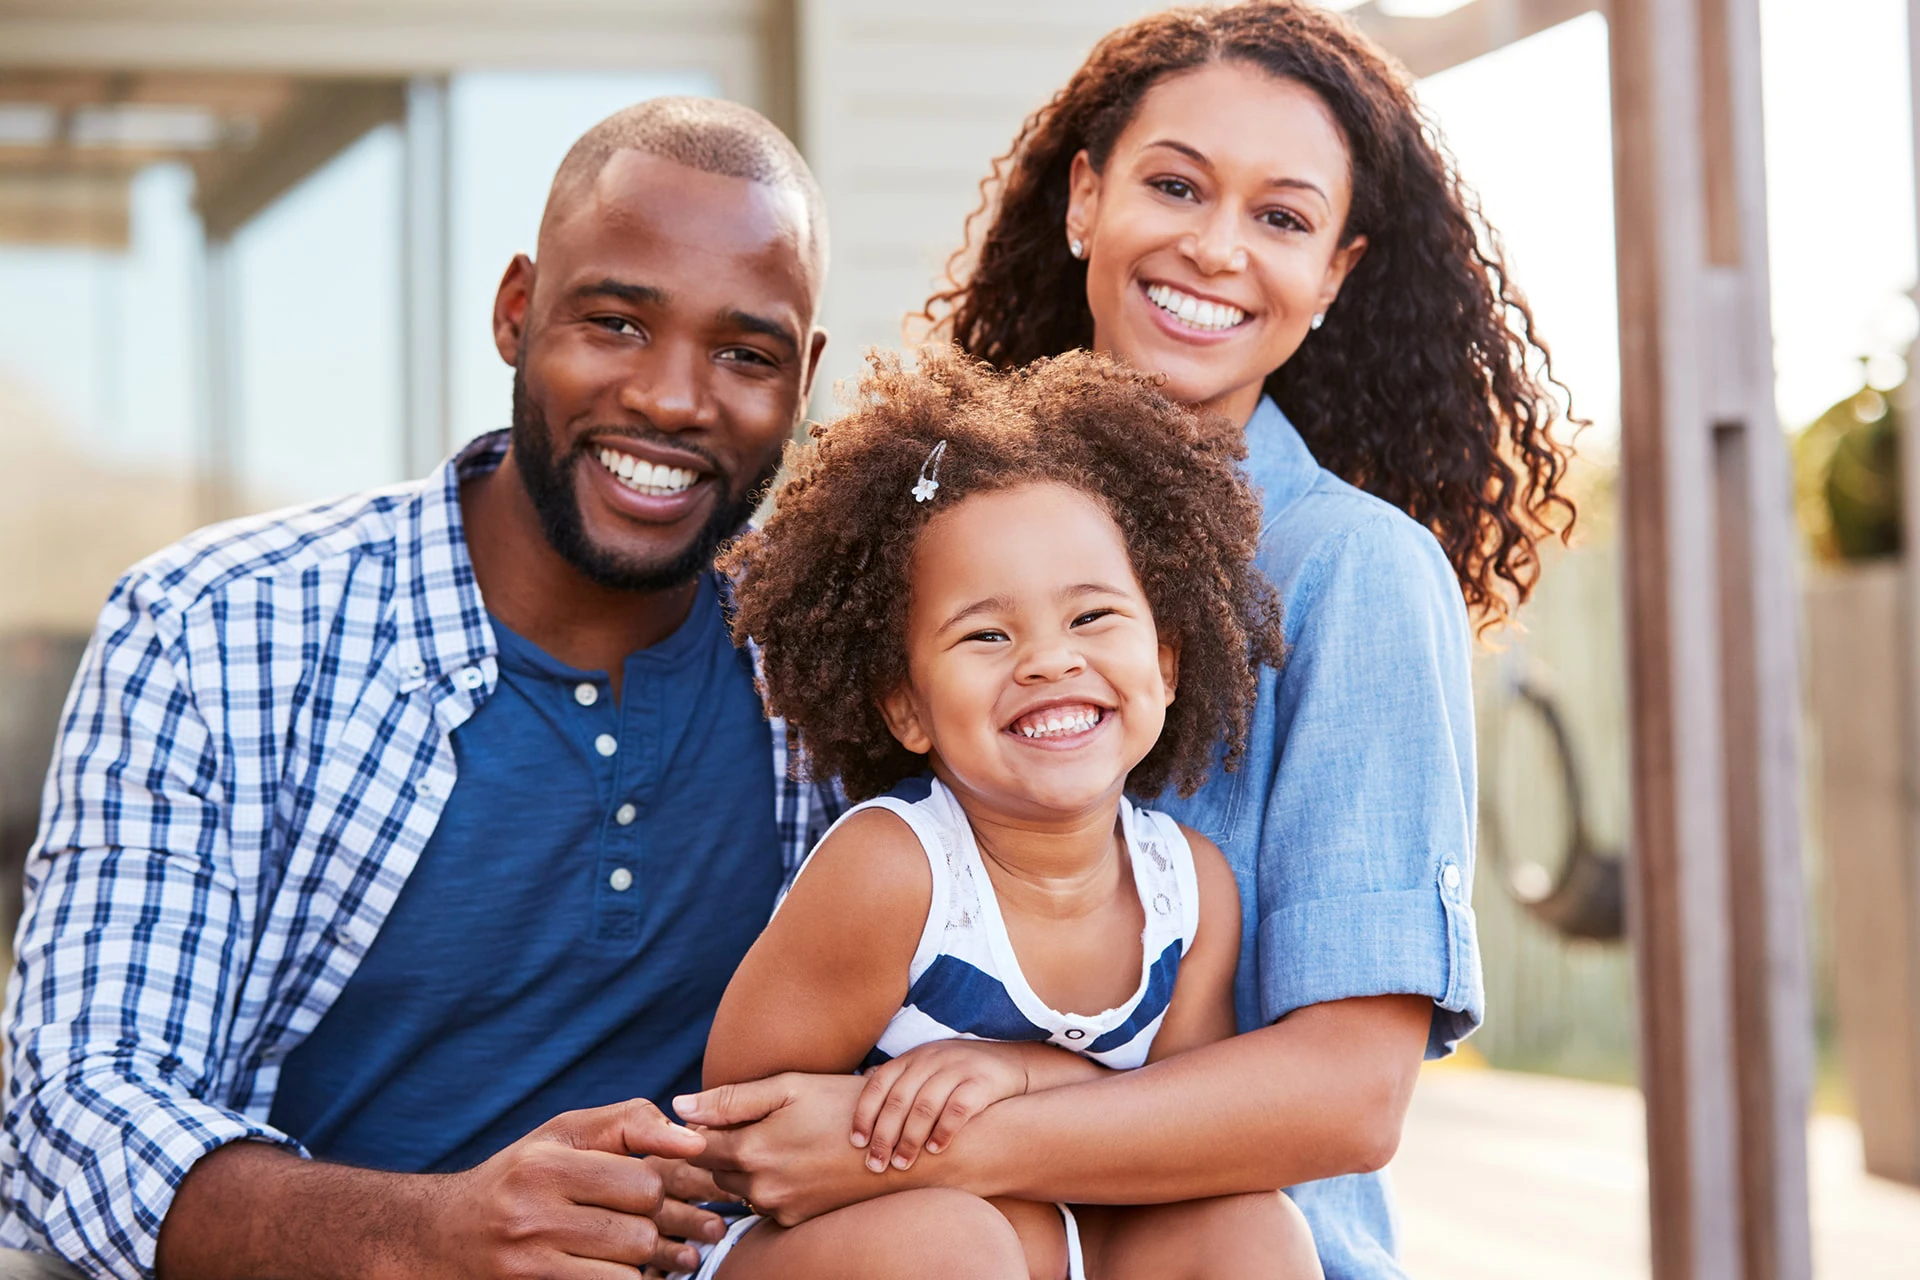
(1319, 318)
(1077, 248)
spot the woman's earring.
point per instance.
(1076, 247)
(1319, 318)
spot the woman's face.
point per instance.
(1213, 236)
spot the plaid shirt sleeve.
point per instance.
(128, 958)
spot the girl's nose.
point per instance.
(1045, 663)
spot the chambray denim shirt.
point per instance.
(1350, 822)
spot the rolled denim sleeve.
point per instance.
(127, 959)
(1364, 884)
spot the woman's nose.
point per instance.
(1214, 246)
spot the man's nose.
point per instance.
(671, 389)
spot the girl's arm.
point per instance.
(1202, 1008)
(818, 987)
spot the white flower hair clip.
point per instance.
(929, 482)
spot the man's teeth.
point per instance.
(1194, 312)
(645, 477)
(1058, 724)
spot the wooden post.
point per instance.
(1716, 902)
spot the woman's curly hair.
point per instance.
(1427, 386)
(824, 586)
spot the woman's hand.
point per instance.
(781, 1144)
(920, 1099)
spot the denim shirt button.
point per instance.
(1451, 878)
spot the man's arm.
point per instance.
(567, 1202)
(1322, 1092)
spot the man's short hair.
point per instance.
(708, 134)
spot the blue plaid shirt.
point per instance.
(252, 757)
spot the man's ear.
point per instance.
(510, 308)
(818, 345)
(1170, 668)
(902, 715)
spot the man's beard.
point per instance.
(549, 482)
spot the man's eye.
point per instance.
(618, 324)
(747, 355)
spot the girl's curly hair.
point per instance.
(1421, 387)
(824, 585)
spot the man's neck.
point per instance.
(542, 597)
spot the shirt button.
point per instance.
(1450, 877)
(606, 744)
(415, 670)
(1075, 1033)
(423, 789)
(625, 815)
(621, 880)
(586, 693)
(472, 678)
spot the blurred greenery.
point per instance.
(1847, 478)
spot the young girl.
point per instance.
(976, 602)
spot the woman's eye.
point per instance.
(1285, 220)
(1178, 188)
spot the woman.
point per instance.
(1249, 201)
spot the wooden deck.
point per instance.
(1515, 1177)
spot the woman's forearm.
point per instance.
(1318, 1095)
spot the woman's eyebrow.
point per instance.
(1200, 158)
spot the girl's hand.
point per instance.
(922, 1098)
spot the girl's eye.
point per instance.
(1178, 188)
(1092, 615)
(990, 636)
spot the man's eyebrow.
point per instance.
(764, 326)
(992, 604)
(652, 295)
(1199, 158)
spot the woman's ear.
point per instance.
(1083, 200)
(1170, 668)
(1339, 267)
(902, 715)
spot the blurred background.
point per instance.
(247, 255)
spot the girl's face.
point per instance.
(1036, 678)
(1213, 237)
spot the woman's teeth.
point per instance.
(1058, 723)
(646, 477)
(1194, 312)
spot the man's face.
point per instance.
(662, 350)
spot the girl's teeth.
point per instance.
(1049, 726)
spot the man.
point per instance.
(419, 831)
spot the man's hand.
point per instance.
(922, 1098)
(781, 1143)
(566, 1202)
(568, 1199)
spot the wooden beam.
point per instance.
(1717, 908)
(1899, 1155)
(227, 93)
(78, 208)
(322, 121)
(1429, 45)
